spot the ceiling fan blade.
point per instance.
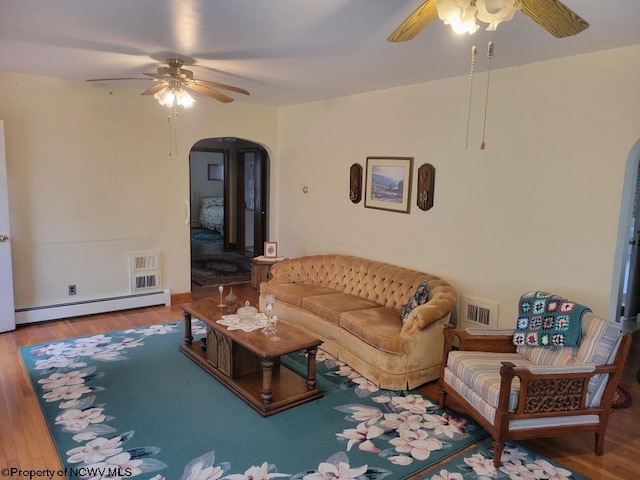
(414, 24)
(554, 17)
(207, 83)
(221, 97)
(122, 78)
(155, 89)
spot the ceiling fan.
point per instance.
(551, 15)
(172, 80)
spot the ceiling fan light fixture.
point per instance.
(166, 96)
(460, 14)
(170, 95)
(184, 99)
(494, 12)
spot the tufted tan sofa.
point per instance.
(353, 305)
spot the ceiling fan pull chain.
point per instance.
(474, 52)
(169, 132)
(175, 130)
(486, 97)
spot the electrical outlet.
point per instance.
(72, 289)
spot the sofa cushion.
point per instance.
(293, 293)
(379, 327)
(331, 305)
(419, 297)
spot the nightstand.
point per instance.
(261, 270)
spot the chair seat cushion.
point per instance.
(489, 412)
(480, 373)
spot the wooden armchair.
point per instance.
(525, 392)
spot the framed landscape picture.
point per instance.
(388, 183)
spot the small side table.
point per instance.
(261, 270)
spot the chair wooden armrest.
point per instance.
(461, 339)
(480, 342)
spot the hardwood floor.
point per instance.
(25, 441)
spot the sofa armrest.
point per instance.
(283, 272)
(441, 303)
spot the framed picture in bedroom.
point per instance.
(271, 249)
(215, 171)
(388, 183)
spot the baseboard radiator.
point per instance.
(91, 307)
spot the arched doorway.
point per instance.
(229, 191)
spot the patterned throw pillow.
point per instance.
(419, 297)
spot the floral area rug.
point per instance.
(220, 269)
(517, 463)
(130, 404)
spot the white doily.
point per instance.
(233, 322)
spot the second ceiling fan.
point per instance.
(551, 15)
(172, 80)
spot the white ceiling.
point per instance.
(283, 51)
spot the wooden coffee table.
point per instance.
(248, 363)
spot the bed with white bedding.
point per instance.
(212, 213)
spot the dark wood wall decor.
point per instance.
(426, 181)
(355, 183)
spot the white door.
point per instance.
(7, 308)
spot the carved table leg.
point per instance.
(188, 337)
(311, 368)
(267, 370)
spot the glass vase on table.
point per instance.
(268, 300)
(273, 335)
(221, 289)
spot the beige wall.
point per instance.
(538, 209)
(91, 179)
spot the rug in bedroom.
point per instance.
(202, 236)
(131, 400)
(226, 268)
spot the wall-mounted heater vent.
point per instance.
(478, 313)
(144, 271)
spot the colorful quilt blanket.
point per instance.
(545, 319)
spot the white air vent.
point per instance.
(478, 313)
(144, 271)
